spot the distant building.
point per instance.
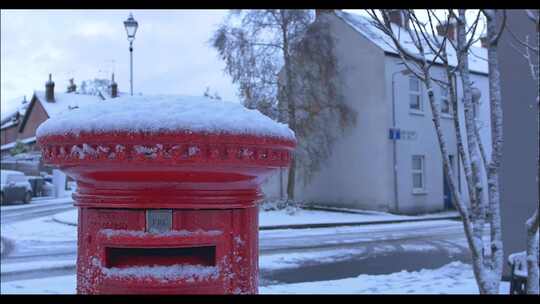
(20, 124)
(391, 160)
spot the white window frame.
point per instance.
(445, 98)
(421, 171)
(418, 94)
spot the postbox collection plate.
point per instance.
(158, 220)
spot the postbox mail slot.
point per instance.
(128, 256)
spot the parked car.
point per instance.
(14, 186)
(37, 183)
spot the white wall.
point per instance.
(359, 173)
(426, 142)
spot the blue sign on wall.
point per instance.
(394, 134)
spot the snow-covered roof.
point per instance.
(13, 143)
(11, 107)
(65, 101)
(8, 124)
(365, 26)
(164, 113)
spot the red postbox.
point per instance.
(167, 211)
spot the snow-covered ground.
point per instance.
(302, 216)
(41, 253)
(453, 278)
(39, 229)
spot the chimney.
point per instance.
(398, 17)
(452, 30)
(72, 87)
(49, 89)
(319, 12)
(484, 41)
(114, 88)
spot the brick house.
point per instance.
(21, 125)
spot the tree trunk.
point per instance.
(291, 106)
(468, 227)
(290, 181)
(532, 254)
(532, 223)
(457, 127)
(477, 205)
(496, 151)
(487, 273)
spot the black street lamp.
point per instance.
(131, 26)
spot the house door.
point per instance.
(446, 187)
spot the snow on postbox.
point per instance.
(167, 191)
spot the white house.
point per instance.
(368, 169)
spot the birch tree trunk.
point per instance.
(458, 201)
(477, 203)
(486, 269)
(532, 254)
(532, 223)
(497, 145)
(457, 127)
(291, 108)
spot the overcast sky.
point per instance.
(171, 50)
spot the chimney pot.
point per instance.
(72, 87)
(398, 17)
(114, 88)
(452, 30)
(49, 89)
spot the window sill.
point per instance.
(416, 112)
(419, 192)
(447, 116)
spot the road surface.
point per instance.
(286, 256)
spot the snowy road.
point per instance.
(335, 253)
(39, 207)
(44, 248)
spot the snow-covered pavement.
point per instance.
(42, 248)
(281, 218)
(453, 278)
(39, 207)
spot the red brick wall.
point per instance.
(37, 116)
(8, 135)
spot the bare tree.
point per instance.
(96, 86)
(209, 95)
(529, 49)
(321, 113)
(284, 66)
(426, 51)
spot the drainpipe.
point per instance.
(394, 145)
(394, 141)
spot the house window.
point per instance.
(415, 97)
(445, 103)
(418, 172)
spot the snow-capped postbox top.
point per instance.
(177, 143)
(158, 114)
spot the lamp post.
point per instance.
(131, 26)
